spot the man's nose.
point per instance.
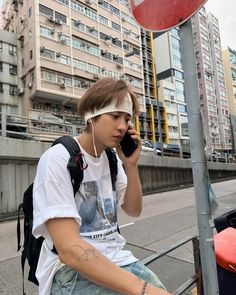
(122, 125)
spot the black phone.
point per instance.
(128, 145)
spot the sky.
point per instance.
(225, 11)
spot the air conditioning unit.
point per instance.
(21, 1)
(51, 19)
(58, 21)
(100, 1)
(96, 76)
(83, 43)
(63, 39)
(115, 57)
(42, 48)
(12, 52)
(123, 18)
(103, 69)
(58, 54)
(30, 84)
(21, 91)
(88, 2)
(172, 97)
(63, 85)
(108, 41)
(119, 66)
(12, 71)
(128, 32)
(53, 32)
(22, 19)
(77, 23)
(91, 29)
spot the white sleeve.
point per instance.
(121, 183)
(53, 195)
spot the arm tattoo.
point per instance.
(87, 254)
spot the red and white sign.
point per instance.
(162, 15)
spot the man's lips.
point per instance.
(117, 137)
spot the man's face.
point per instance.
(110, 128)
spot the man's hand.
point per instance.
(133, 159)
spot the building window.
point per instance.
(79, 64)
(13, 89)
(31, 54)
(0, 66)
(12, 49)
(116, 26)
(22, 62)
(64, 59)
(60, 16)
(1, 87)
(115, 10)
(45, 10)
(47, 53)
(66, 2)
(0, 45)
(48, 76)
(103, 20)
(13, 69)
(46, 32)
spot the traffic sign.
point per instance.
(162, 15)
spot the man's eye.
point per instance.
(115, 116)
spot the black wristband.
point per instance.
(144, 288)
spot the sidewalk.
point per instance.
(166, 219)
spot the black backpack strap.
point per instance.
(75, 163)
(112, 159)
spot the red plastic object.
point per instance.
(225, 248)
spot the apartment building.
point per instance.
(152, 123)
(211, 79)
(9, 92)
(66, 45)
(171, 88)
(1, 16)
(229, 60)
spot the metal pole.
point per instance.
(199, 166)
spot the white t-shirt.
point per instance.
(94, 207)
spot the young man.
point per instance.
(91, 259)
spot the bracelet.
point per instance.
(144, 288)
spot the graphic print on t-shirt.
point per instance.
(96, 203)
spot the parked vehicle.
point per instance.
(148, 147)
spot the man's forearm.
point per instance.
(133, 194)
(84, 258)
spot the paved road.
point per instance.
(167, 218)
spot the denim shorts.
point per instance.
(69, 282)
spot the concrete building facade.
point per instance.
(171, 88)
(10, 94)
(229, 59)
(67, 45)
(211, 80)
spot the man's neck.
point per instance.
(86, 141)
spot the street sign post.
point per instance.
(159, 16)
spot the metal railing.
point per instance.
(33, 129)
(195, 278)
